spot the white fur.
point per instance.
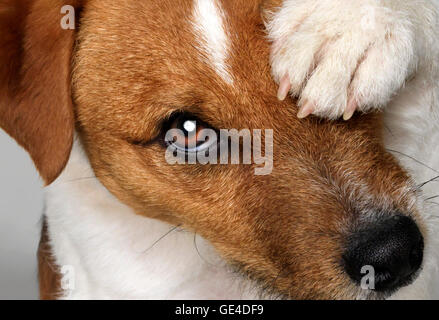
(412, 128)
(115, 254)
(334, 50)
(213, 41)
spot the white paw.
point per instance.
(339, 56)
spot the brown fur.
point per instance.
(135, 63)
(35, 104)
(49, 276)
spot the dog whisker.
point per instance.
(427, 182)
(283, 269)
(198, 251)
(84, 178)
(388, 129)
(162, 237)
(414, 159)
(431, 198)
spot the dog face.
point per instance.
(334, 198)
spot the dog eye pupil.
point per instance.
(186, 130)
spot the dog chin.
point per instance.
(416, 288)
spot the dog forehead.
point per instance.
(167, 53)
(224, 35)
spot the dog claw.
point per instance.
(350, 109)
(305, 110)
(284, 88)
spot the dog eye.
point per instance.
(189, 134)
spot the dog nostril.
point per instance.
(393, 247)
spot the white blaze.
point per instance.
(208, 21)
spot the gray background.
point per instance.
(21, 205)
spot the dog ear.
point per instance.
(35, 98)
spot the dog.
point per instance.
(91, 95)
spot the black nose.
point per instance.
(393, 247)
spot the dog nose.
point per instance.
(392, 247)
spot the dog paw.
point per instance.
(339, 56)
